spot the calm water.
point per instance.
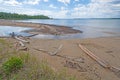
(91, 27)
(6, 30)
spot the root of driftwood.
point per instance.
(100, 61)
(74, 59)
(75, 65)
(24, 49)
(22, 44)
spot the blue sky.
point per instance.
(64, 8)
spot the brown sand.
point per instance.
(106, 48)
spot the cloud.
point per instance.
(46, 0)
(33, 11)
(52, 6)
(10, 2)
(32, 2)
(64, 1)
(76, 0)
(96, 9)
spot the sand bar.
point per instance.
(41, 28)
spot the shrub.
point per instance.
(12, 65)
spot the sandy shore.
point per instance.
(40, 28)
(105, 48)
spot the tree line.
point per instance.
(4, 15)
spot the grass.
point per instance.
(24, 66)
(12, 65)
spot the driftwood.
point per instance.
(55, 52)
(74, 59)
(75, 65)
(97, 59)
(42, 50)
(32, 35)
(24, 49)
(21, 39)
(71, 62)
(21, 43)
(101, 62)
(50, 53)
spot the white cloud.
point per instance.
(63, 8)
(33, 11)
(32, 2)
(11, 2)
(76, 0)
(52, 6)
(1, 1)
(64, 1)
(45, 0)
(96, 9)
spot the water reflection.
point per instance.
(6, 30)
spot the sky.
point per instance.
(64, 8)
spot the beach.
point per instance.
(106, 48)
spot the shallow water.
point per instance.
(6, 30)
(91, 27)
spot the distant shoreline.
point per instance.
(39, 28)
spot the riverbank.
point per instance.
(106, 49)
(41, 28)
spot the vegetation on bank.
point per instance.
(21, 65)
(14, 16)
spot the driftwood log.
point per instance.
(50, 53)
(100, 61)
(21, 39)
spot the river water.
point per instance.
(91, 27)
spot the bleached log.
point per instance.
(97, 59)
(50, 53)
(101, 62)
(56, 51)
(32, 35)
(22, 44)
(42, 50)
(21, 40)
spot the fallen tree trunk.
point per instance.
(97, 59)
(50, 53)
(42, 50)
(100, 61)
(21, 39)
(32, 35)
